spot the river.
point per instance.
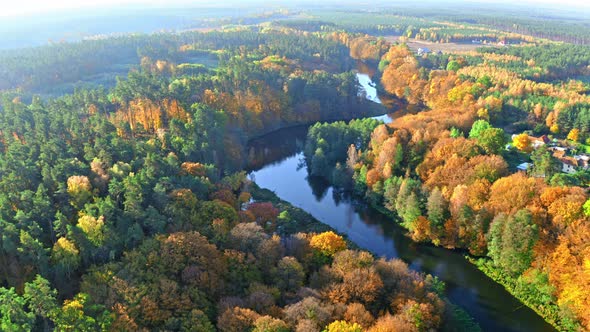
(280, 167)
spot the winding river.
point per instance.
(279, 167)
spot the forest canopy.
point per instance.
(124, 203)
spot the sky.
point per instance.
(22, 7)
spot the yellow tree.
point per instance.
(80, 190)
(523, 142)
(93, 228)
(65, 255)
(574, 135)
(328, 243)
(343, 326)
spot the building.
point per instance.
(537, 142)
(583, 161)
(569, 165)
(558, 151)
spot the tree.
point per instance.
(270, 324)
(72, 316)
(391, 191)
(41, 298)
(237, 319)
(309, 308)
(356, 313)
(402, 76)
(93, 228)
(389, 323)
(512, 193)
(80, 190)
(289, 274)
(269, 253)
(319, 162)
(587, 208)
(544, 164)
(456, 133)
(424, 316)
(408, 203)
(13, 316)
(492, 140)
(247, 236)
(328, 243)
(343, 326)
(478, 128)
(411, 211)
(352, 158)
(568, 270)
(523, 142)
(574, 134)
(361, 284)
(265, 213)
(32, 253)
(511, 241)
(437, 208)
(453, 66)
(422, 230)
(65, 255)
(195, 321)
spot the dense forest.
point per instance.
(447, 176)
(565, 25)
(124, 204)
(121, 208)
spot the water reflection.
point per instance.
(261, 154)
(276, 164)
(367, 87)
(493, 307)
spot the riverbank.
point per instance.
(456, 319)
(279, 166)
(305, 222)
(369, 109)
(517, 287)
(363, 110)
(522, 290)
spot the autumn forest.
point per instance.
(127, 201)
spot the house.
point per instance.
(569, 165)
(558, 151)
(545, 139)
(583, 161)
(537, 142)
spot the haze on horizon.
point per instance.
(29, 23)
(27, 7)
